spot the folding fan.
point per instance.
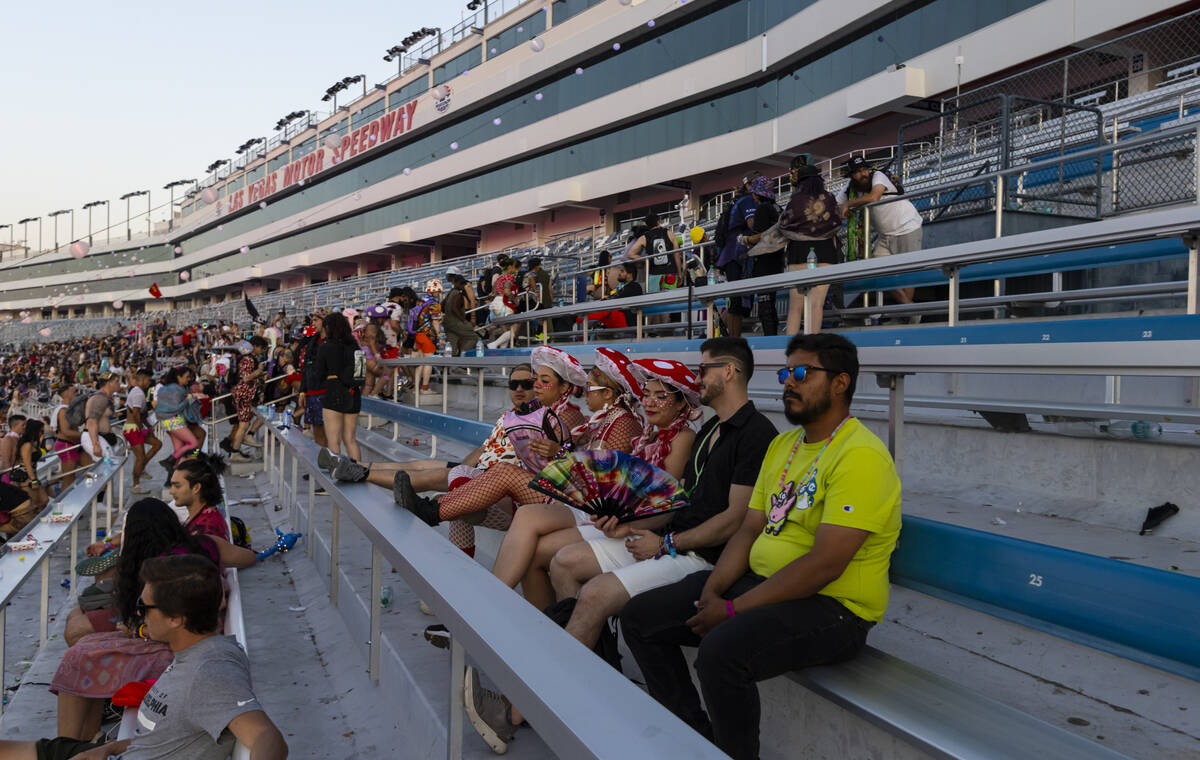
(609, 483)
(529, 424)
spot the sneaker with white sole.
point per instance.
(139, 490)
(248, 441)
(349, 471)
(488, 712)
(326, 459)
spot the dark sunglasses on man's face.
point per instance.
(525, 385)
(140, 608)
(799, 373)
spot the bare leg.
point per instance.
(239, 432)
(734, 323)
(154, 445)
(530, 523)
(318, 434)
(572, 567)
(795, 317)
(77, 627)
(349, 437)
(10, 750)
(599, 599)
(333, 430)
(198, 432)
(139, 462)
(78, 717)
(816, 307)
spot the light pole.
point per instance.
(54, 215)
(396, 52)
(474, 6)
(25, 231)
(126, 197)
(171, 209)
(10, 238)
(107, 227)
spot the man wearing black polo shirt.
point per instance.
(719, 478)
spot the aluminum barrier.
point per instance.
(593, 713)
(57, 520)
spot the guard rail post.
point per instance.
(952, 274)
(445, 389)
(308, 522)
(335, 538)
(1193, 244)
(454, 722)
(478, 397)
(374, 656)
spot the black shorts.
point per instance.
(62, 748)
(797, 252)
(339, 398)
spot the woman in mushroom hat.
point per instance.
(671, 398)
(613, 425)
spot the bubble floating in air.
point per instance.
(80, 248)
(245, 249)
(453, 146)
(209, 195)
(185, 276)
(538, 96)
(537, 44)
(118, 304)
(496, 121)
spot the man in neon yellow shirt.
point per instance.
(805, 577)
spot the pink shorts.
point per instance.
(137, 437)
(69, 457)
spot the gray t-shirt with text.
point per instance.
(186, 713)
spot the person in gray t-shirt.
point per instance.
(203, 702)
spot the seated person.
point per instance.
(557, 377)
(98, 664)
(804, 578)
(437, 475)
(610, 567)
(612, 425)
(199, 707)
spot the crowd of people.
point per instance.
(774, 556)
(777, 558)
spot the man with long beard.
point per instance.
(804, 578)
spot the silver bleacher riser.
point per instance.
(522, 651)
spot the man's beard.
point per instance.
(863, 187)
(709, 392)
(807, 413)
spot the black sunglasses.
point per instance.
(799, 373)
(140, 608)
(525, 385)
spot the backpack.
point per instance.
(606, 645)
(358, 370)
(77, 409)
(239, 534)
(721, 233)
(887, 172)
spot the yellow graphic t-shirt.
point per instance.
(855, 486)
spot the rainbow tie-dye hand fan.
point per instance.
(610, 484)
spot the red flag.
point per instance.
(155, 290)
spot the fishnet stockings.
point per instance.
(499, 480)
(462, 533)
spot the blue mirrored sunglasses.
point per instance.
(799, 373)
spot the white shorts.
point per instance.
(85, 440)
(636, 577)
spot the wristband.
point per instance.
(729, 610)
(669, 544)
(34, 482)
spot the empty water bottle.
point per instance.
(385, 596)
(479, 347)
(446, 350)
(812, 258)
(712, 275)
(1137, 429)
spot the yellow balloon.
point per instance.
(697, 234)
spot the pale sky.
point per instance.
(105, 98)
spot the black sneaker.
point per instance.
(326, 459)
(406, 497)
(226, 445)
(349, 471)
(437, 635)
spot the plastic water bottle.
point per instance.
(479, 347)
(1137, 429)
(385, 596)
(712, 275)
(446, 350)
(812, 258)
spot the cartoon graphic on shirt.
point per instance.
(788, 498)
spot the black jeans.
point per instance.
(750, 647)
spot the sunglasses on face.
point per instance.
(799, 373)
(140, 608)
(525, 385)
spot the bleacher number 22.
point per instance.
(1035, 580)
